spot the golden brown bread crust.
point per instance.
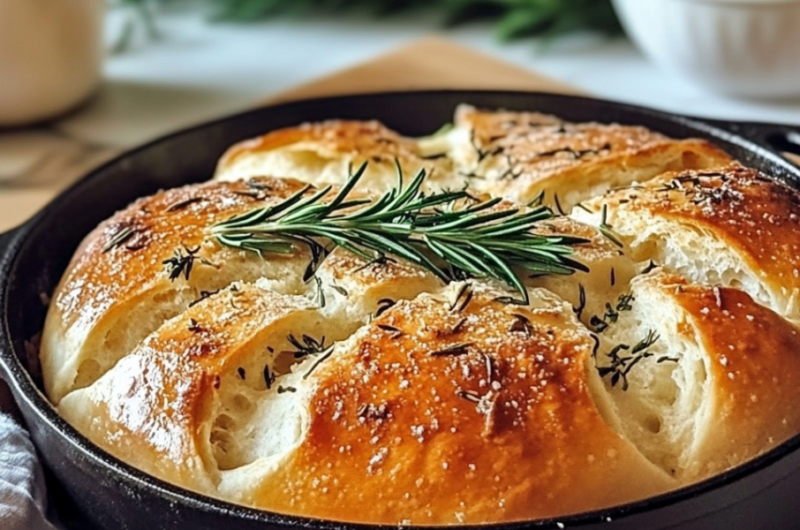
(436, 404)
(519, 154)
(152, 409)
(753, 375)
(506, 428)
(737, 208)
(107, 283)
(445, 416)
(175, 219)
(327, 152)
(744, 208)
(367, 140)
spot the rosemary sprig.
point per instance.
(452, 350)
(621, 365)
(323, 355)
(607, 230)
(611, 314)
(307, 345)
(181, 264)
(122, 234)
(429, 230)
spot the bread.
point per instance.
(720, 385)
(310, 384)
(516, 155)
(114, 295)
(325, 153)
(361, 417)
(611, 268)
(520, 154)
(730, 226)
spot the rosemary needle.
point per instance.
(434, 231)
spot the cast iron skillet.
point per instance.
(104, 493)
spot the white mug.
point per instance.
(51, 55)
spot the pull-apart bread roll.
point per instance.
(521, 154)
(701, 378)
(326, 152)
(187, 402)
(147, 264)
(730, 226)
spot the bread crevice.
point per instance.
(657, 403)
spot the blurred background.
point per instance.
(81, 80)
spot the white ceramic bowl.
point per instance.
(740, 47)
(50, 56)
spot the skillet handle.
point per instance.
(782, 139)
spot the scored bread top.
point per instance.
(363, 139)
(154, 408)
(754, 370)
(159, 224)
(118, 289)
(377, 385)
(510, 154)
(471, 414)
(452, 407)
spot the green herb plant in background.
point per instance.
(512, 18)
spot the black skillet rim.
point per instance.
(25, 388)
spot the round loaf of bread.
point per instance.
(332, 386)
